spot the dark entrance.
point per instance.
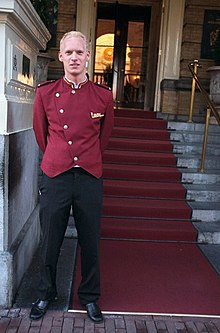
(122, 52)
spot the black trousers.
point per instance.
(83, 192)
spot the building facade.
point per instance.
(151, 43)
(141, 49)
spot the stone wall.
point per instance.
(22, 35)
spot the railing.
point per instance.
(211, 110)
(103, 78)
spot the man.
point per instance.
(73, 119)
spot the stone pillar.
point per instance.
(86, 22)
(170, 44)
(22, 35)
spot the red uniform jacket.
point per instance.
(72, 126)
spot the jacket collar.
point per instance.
(74, 85)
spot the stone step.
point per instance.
(203, 188)
(181, 117)
(208, 232)
(192, 127)
(193, 161)
(193, 136)
(195, 148)
(203, 192)
(211, 251)
(205, 211)
(193, 176)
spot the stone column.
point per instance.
(170, 44)
(22, 35)
(86, 22)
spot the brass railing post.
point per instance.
(205, 140)
(210, 110)
(195, 65)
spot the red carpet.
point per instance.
(139, 157)
(148, 208)
(142, 183)
(146, 229)
(167, 278)
(129, 172)
(144, 189)
(143, 123)
(143, 145)
(140, 133)
(149, 258)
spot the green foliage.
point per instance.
(47, 10)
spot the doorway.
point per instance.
(123, 53)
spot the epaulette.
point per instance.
(44, 83)
(102, 85)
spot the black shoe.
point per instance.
(94, 312)
(39, 309)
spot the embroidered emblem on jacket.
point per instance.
(97, 115)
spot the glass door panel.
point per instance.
(121, 51)
(104, 52)
(135, 68)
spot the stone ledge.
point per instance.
(181, 84)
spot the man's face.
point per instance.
(74, 56)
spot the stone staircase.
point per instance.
(203, 188)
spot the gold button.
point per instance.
(57, 94)
(65, 126)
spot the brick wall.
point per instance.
(192, 34)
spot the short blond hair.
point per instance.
(76, 34)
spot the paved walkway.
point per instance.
(17, 321)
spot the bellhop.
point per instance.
(80, 122)
(73, 120)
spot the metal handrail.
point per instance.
(205, 95)
(195, 65)
(210, 110)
